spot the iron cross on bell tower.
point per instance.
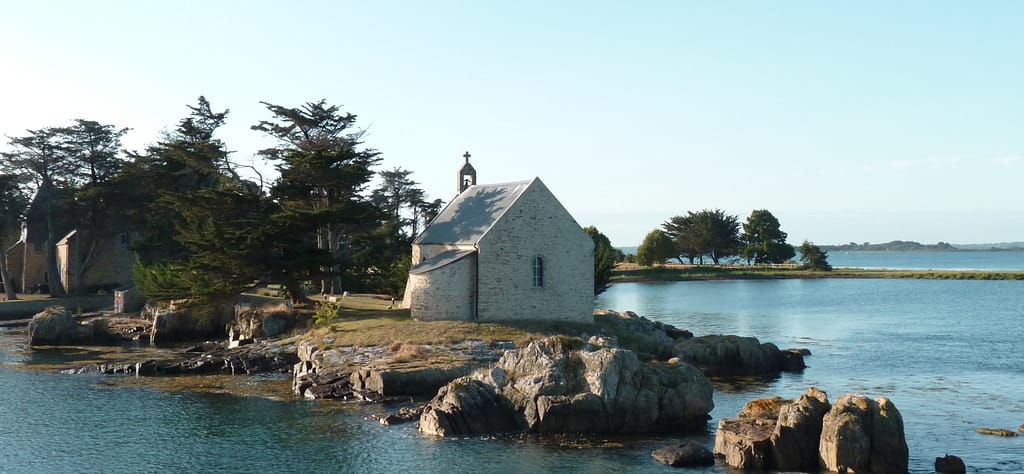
(467, 175)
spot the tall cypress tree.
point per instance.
(323, 172)
(13, 202)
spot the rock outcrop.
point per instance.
(250, 359)
(684, 455)
(57, 326)
(418, 381)
(371, 373)
(746, 441)
(735, 355)
(996, 432)
(558, 385)
(798, 431)
(855, 435)
(469, 407)
(251, 324)
(655, 337)
(181, 322)
(863, 435)
(950, 464)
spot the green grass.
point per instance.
(624, 274)
(365, 322)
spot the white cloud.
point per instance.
(934, 161)
(1007, 160)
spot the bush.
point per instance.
(326, 313)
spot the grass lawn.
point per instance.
(364, 321)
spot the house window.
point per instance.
(538, 271)
(124, 238)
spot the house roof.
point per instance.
(472, 213)
(439, 260)
(68, 237)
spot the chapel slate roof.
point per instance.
(439, 260)
(472, 213)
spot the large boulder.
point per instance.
(889, 451)
(251, 324)
(863, 435)
(184, 322)
(469, 407)
(418, 381)
(846, 435)
(857, 434)
(745, 442)
(559, 385)
(57, 326)
(684, 455)
(653, 337)
(171, 326)
(798, 431)
(950, 464)
(730, 355)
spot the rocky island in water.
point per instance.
(621, 375)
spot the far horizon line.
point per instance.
(1011, 244)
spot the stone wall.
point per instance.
(445, 293)
(16, 265)
(33, 266)
(111, 265)
(23, 309)
(536, 225)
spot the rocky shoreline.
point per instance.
(594, 383)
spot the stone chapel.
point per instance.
(507, 251)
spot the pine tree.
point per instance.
(323, 172)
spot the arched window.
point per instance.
(538, 271)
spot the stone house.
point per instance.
(26, 259)
(505, 251)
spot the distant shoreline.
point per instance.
(634, 273)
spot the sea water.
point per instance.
(947, 353)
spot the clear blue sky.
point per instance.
(850, 121)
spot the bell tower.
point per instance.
(467, 175)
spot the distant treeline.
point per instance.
(911, 246)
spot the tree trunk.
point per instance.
(295, 293)
(5, 277)
(323, 243)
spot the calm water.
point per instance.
(946, 352)
(929, 260)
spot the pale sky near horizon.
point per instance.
(850, 121)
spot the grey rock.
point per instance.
(950, 464)
(184, 323)
(745, 444)
(730, 355)
(57, 326)
(798, 432)
(557, 385)
(657, 336)
(889, 451)
(469, 407)
(404, 415)
(863, 435)
(392, 382)
(684, 455)
(792, 360)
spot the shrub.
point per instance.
(326, 313)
